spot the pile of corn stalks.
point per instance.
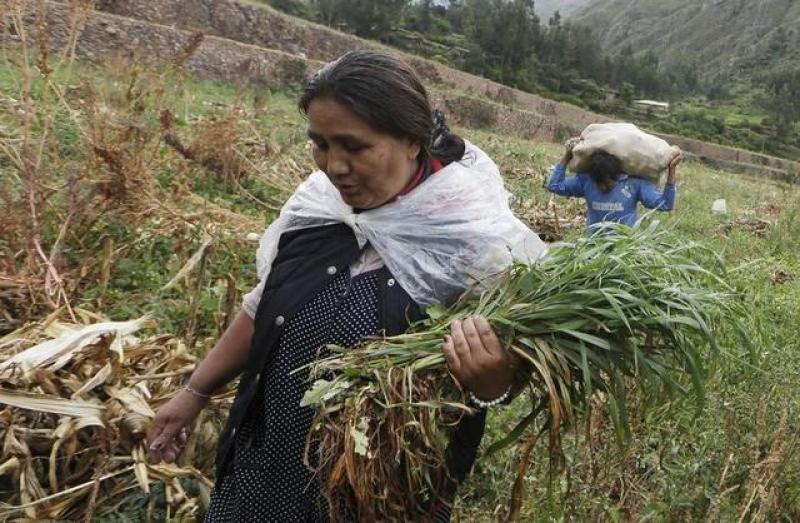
(76, 399)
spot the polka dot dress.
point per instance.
(268, 480)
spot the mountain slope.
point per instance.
(545, 8)
(719, 36)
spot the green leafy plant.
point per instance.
(617, 305)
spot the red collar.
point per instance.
(419, 177)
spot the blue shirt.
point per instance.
(617, 205)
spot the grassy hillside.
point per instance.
(136, 169)
(720, 37)
(746, 55)
(675, 468)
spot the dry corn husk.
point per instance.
(552, 220)
(75, 402)
(190, 265)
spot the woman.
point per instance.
(611, 195)
(396, 218)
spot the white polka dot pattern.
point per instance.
(269, 481)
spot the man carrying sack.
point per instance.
(617, 165)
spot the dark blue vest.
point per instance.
(307, 260)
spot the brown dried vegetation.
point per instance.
(77, 400)
(85, 155)
(86, 159)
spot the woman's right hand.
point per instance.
(166, 435)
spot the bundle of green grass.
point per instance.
(623, 306)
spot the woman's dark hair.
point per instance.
(604, 166)
(387, 94)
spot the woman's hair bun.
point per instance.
(444, 145)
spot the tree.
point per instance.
(718, 90)
(422, 16)
(782, 101)
(505, 31)
(779, 43)
(627, 93)
(367, 18)
(504, 40)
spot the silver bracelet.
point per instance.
(197, 393)
(486, 404)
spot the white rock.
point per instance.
(719, 206)
(253, 236)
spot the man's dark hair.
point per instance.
(604, 166)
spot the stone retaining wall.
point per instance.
(258, 24)
(261, 25)
(283, 51)
(105, 37)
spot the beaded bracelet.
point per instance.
(196, 392)
(486, 404)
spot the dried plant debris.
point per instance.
(782, 275)
(551, 221)
(751, 225)
(758, 221)
(94, 157)
(76, 399)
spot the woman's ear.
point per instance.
(413, 150)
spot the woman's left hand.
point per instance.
(478, 360)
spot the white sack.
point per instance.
(641, 154)
(454, 230)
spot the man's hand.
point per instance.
(672, 169)
(569, 145)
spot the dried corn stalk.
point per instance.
(76, 400)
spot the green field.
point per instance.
(735, 458)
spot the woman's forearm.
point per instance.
(228, 357)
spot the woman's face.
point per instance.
(367, 168)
